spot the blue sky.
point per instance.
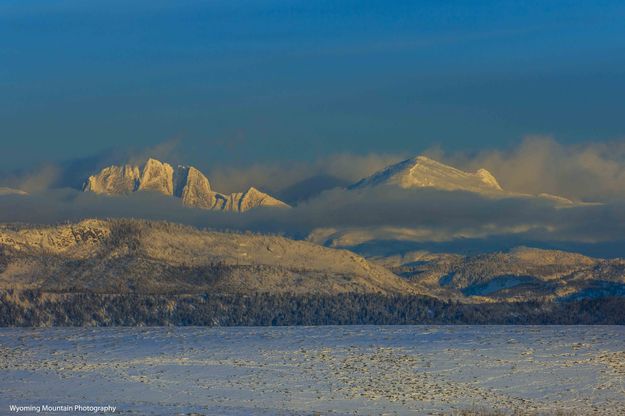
(240, 81)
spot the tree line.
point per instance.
(33, 308)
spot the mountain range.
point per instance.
(184, 182)
(143, 269)
(138, 256)
(193, 188)
(520, 274)
(122, 255)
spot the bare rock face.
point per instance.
(244, 201)
(157, 176)
(114, 180)
(184, 182)
(194, 188)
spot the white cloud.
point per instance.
(589, 171)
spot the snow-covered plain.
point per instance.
(326, 370)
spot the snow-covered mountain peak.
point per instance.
(423, 172)
(488, 178)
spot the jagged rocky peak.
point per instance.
(154, 176)
(187, 177)
(157, 176)
(422, 172)
(253, 198)
(114, 180)
(184, 182)
(194, 188)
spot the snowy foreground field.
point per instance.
(317, 370)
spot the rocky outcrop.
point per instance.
(184, 182)
(157, 176)
(114, 180)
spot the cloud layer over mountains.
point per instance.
(413, 215)
(539, 164)
(592, 171)
(589, 171)
(347, 218)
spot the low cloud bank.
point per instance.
(292, 182)
(329, 214)
(296, 182)
(350, 217)
(588, 171)
(592, 172)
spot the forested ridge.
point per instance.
(39, 309)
